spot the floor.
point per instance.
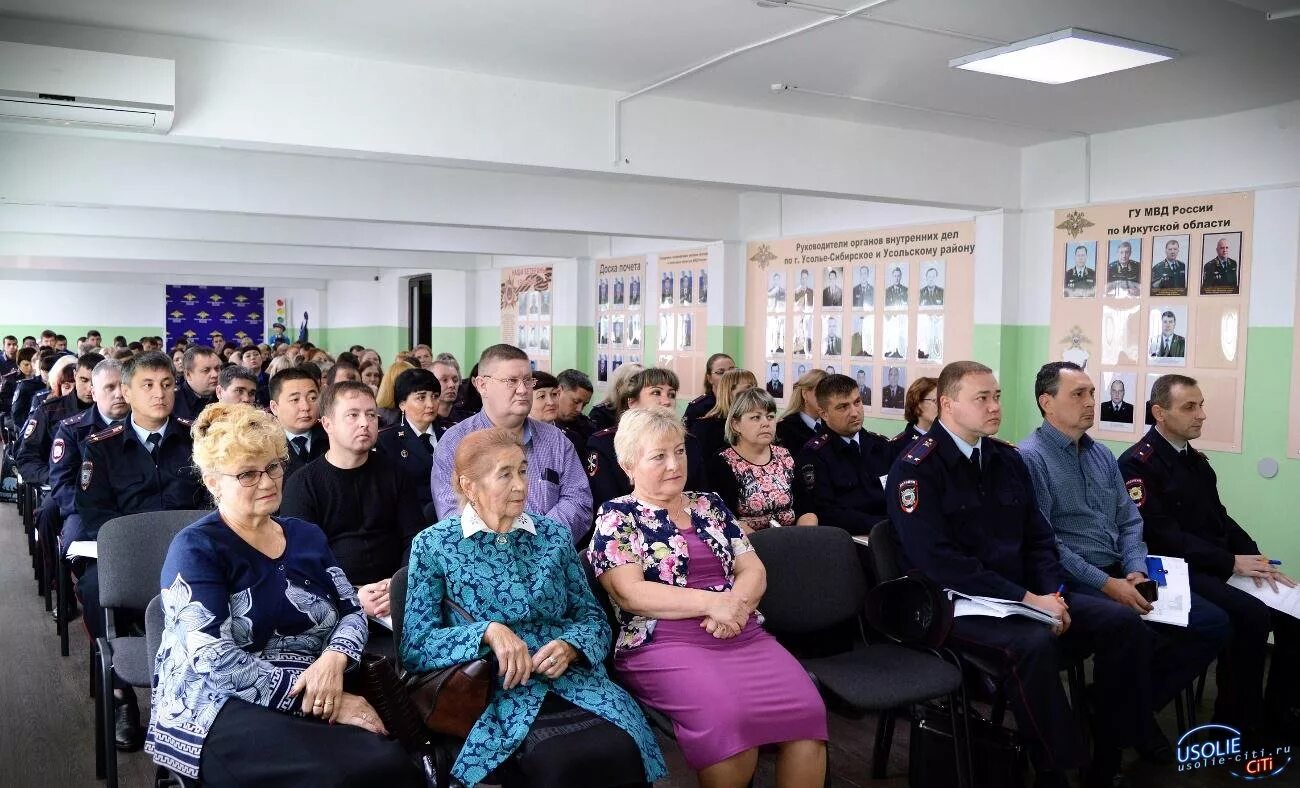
(46, 715)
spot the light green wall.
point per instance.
(387, 340)
(729, 340)
(573, 347)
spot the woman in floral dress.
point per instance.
(753, 476)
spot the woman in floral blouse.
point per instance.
(754, 477)
(685, 584)
(261, 625)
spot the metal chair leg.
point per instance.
(884, 740)
(100, 733)
(65, 604)
(107, 704)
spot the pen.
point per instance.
(1274, 562)
(1060, 590)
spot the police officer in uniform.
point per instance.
(202, 368)
(33, 457)
(718, 365)
(410, 442)
(838, 471)
(653, 387)
(965, 512)
(1177, 493)
(1080, 280)
(26, 390)
(144, 464)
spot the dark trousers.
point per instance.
(1180, 653)
(87, 573)
(1031, 657)
(1242, 698)
(569, 747)
(251, 745)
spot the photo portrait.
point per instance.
(666, 289)
(1169, 266)
(1167, 328)
(775, 335)
(894, 334)
(618, 290)
(802, 339)
(1117, 389)
(665, 331)
(1081, 269)
(1124, 271)
(602, 292)
(932, 272)
(803, 294)
(894, 389)
(634, 291)
(833, 292)
(704, 286)
(775, 385)
(686, 288)
(1221, 274)
(862, 376)
(832, 336)
(864, 287)
(896, 286)
(929, 338)
(776, 292)
(863, 342)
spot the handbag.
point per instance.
(451, 700)
(997, 755)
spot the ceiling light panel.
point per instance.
(1064, 56)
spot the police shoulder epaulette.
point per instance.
(815, 443)
(186, 422)
(1008, 444)
(607, 431)
(76, 418)
(116, 429)
(919, 450)
(875, 435)
(900, 435)
(698, 399)
(1143, 451)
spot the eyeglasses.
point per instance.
(930, 399)
(252, 478)
(515, 383)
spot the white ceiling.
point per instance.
(1233, 59)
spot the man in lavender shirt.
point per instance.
(557, 485)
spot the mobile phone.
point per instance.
(1149, 590)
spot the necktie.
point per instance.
(975, 459)
(153, 440)
(427, 440)
(300, 446)
(1164, 347)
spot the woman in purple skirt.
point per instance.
(685, 584)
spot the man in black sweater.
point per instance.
(362, 501)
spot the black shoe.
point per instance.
(1155, 747)
(127, 732)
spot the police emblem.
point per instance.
(405, 454)
(908, 496)
(593, 464)
(1137, 491)
(57, 450)
(87, 470)
(30, 428)
(809, 476)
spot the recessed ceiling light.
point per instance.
(1064, 56)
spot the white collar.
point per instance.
(292, 435)
(808, 420)
(1179, 446)
(471, 523)
(962, 445)
(143, 434)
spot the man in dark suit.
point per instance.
(864, 389)
(618, 290)
(634, 292)
(832, 293)
(893, 396)
(864, 292)
(834, 343)
(666, 289)
(776, 293)
(1169, 276)
(1219, 276)
(803, 297)
(1168, 344)
(685, 295)
(1080, 281)
(294, 403)
(774, 385)
(931, 293)
(1116, 409)
(896, 293)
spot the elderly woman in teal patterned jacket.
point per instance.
(554, 709)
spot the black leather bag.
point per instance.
(997, 756)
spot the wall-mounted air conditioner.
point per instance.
(74, 87)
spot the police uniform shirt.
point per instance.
(1177, 493)
(1219, 273)
(976, 530)
(24, 393)
(931, 295)
(904, 439)
(1169, 276)
(838, 478)
(795, 430)
(33, 456)
(412, 451)
(189, 404)
(895, 295)
(66, 453)
(1080, 282)
(893, 397)
(578, 430)
(697, 408)
(120, 475)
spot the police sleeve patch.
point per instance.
(909, 495)
(87, 470)
(593, 464)
(30, 428)
(809, 476)
(57, 451)
(1137, 491)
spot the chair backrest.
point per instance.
(153, 628)
(911, 610)
(132, 549)
(886, 552)
(814, 578)
(397, 607)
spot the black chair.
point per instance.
(132, 549)
(816, 583)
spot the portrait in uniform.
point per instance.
(802, 339)
(634, 329)
(617, 330)
(803, 296)
(896, 292)
(932, 283)
(800, 371)
(863, 342)
(704, 286)
(616, 362)
(895, 336)
(618, 290)
(1081, 269)
(602, 368)
(862, 376)
(864, 288)
(894, 394)
(602, 292)
(544, 338)
(833, 292)
(1221, 274)
(832, 339)
(686, 290)
(775, 385)
(775, 335)
(1167, 346)
(776, 291)
(1169, 272)
(1124, 271)
(546, 301)
(666, 289)
(1117, 410)
(634, 291)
